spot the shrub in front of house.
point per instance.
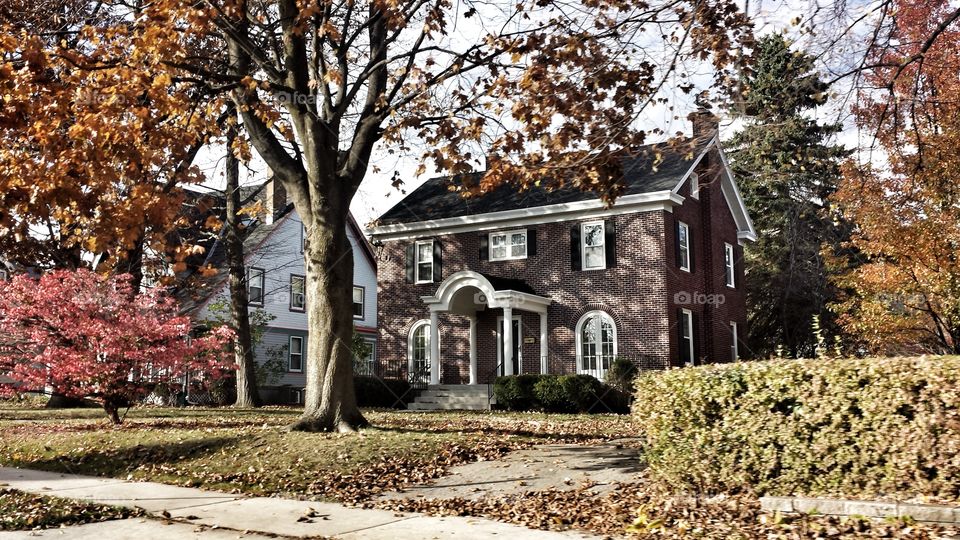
(857, 427)
(388, 393)
(556, 393)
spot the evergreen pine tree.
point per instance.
(786, 169)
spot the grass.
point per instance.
(24, 511)
(249, 451)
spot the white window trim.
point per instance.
(294, 308)
(509, 247)
(734, 345)
(687, 324)
(413, 329)
(263, 283)
(290, 354)
(4, 275)
(583, 245)
(579, 338)
(730, 269)
(685, 247)
(416, 261)
(694, 181)
(363, 302)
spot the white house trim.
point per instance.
(731, 193)
(493, 298)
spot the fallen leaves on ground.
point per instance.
(643, 511)
(21, 511)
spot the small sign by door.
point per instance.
(529, 339)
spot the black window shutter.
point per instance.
(610, 242)
(575, 262)
(531, 242)
(693, 336)
(437, 266)
(676, 242)
(410, 262)
(684, 350)
(484, 247)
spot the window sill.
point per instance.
(297, 310)
(294, 371)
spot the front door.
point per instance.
(517, 339)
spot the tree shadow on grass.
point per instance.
(497, 431)
(119, 462)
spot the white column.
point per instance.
(543, 342)
(508, 341)
(473, 349)
(434, 348)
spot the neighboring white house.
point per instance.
(275, 279)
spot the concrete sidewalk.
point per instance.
(195, 510)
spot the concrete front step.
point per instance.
(415, 406)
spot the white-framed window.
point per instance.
(298, 296)
(734, 342)
(358, 303)
(295, 354)
(303, 236)
(694, 185)
(686, 337)
(424, 261)
(730, 269)
(596, 343)
(508, 245)
(683, 242)
(594, 252)
(366, 365)
(418, 351)
(5, 276)
(255, 285)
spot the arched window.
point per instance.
(596, 343)
(418, 351)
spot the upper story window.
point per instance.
(424, 261)
(508, 245)
(358, 302)
(683, 246)
(694, 182)
(255, 286)
(730, 269)
(594, 252)
(298, 297)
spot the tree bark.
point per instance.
(330, 403)
(248, 394)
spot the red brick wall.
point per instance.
(638, 292)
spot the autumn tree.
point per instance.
(81, 335)
(786, 168)
(550, 91)
(905, 200)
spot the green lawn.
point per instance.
(250, 451)
(24, 511)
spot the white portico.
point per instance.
(467, 292)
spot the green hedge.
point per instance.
(374, 392)
(557, 393)
(856, 427)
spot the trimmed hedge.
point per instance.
(374, 392)
(557, 393)
(818, 427)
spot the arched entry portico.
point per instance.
(465, 293)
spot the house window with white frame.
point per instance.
(594, 251)
(734, 342)
(255, 288)
(686, 338)
(424, 262)
(730, 272)
(596, 343)
(508, 245)
(298, 297)
(4, 275)
(683, 243)
(295, 354)
(366, 365)
(358, 302)
(419, 351)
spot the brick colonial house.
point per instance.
(657, 277)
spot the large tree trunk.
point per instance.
(247, 392)
(330, 403)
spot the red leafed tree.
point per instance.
(81, 335)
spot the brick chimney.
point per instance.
(705, 123)
(275, 199)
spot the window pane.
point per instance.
(593, 257)
(518, 239)
(358, 294)
(425, 271)
(498, 239)
(518, 250)
(593, 235)
(499, 252)
(425, 252)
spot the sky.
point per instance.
(816, 23)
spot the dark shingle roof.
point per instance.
(656, 167)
